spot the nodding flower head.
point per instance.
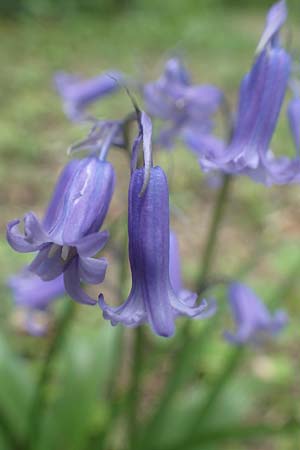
(152, 298)
(34, 296)
(262, 93)
(78, 93)
(252, 318)
(69, 236)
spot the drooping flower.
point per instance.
(252, 318)
(78, 93)
(262, 93)
(181, 106)
(152, 298)
(69, 237)
(34, 296)
(261, 96)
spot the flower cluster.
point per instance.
(68, 238)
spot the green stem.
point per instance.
(211, 241)
(38, 403)
(233, 433)
(135, 385)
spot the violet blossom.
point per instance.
(68, 237)
(78, 93)
(252, 318)
(34, 296)
(152, 298)
(180, 105)
(262, 93)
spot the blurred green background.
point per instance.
(216, 39)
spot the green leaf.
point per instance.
(16, 389)
(79, 405)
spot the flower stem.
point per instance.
(37, 408)
(211, 240)
(135, 384)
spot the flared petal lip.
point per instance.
(120, 315)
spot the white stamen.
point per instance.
(65, 252)
(54, 248)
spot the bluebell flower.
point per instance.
(152, 298)
(78, 93)
(33, 296)
(180, 105)
(261, 97)
(252, 318)
(69, 237)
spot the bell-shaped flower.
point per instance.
(261, 97)
(252, 318)
(68, 237)
(152, 298)
(179, 104)
(77, 93)
(34, 296)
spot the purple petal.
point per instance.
(31, 292)
(83, 202)
(79, 93)
(175, 72)
(251, 316)
(276, 17)
(148, 231)
(72, 284)
(57, 200)
(293, 113)
(131, 314)
(34, 231)
(17, 240)
(91, 244)
(47, 268)
(92, 270)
